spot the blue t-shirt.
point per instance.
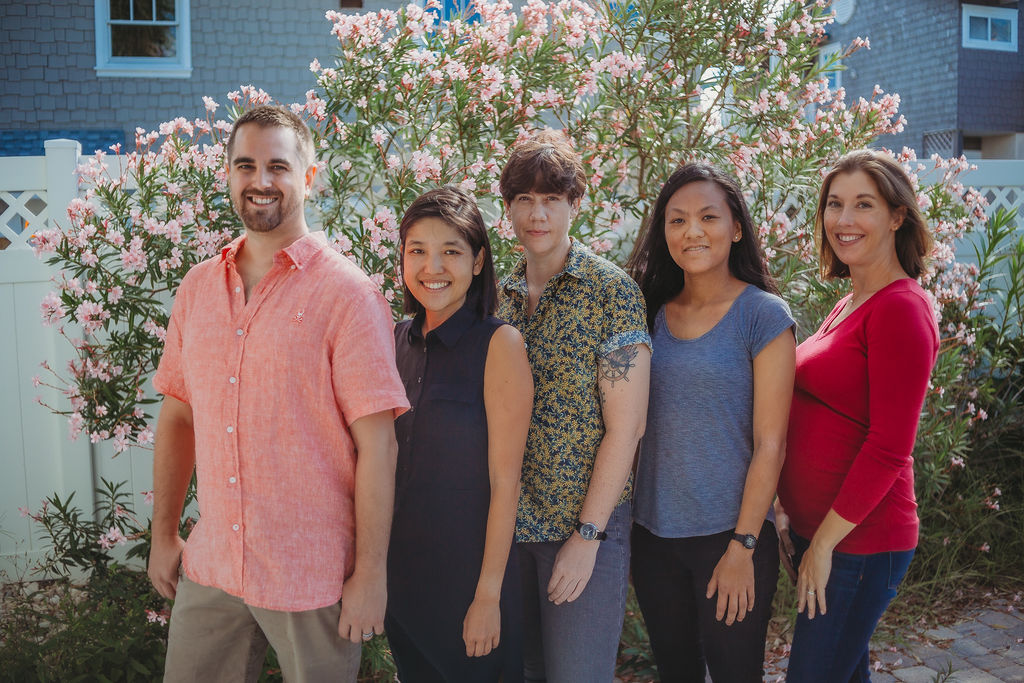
(700, 439)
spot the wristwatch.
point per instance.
(590, 532)
(748, 541)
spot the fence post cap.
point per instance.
(63, 143)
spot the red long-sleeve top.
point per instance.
(856, 405)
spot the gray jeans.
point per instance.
(577, 641)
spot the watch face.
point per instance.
(588, 531)
(749, 542)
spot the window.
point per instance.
(143, 38)
(829, 58)
(989, 28)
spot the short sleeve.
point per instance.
(902, 344)
(767, 318)
(363, 367)
(625, 315)
(169, 379)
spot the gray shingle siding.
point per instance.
(913, 53)
(992, 89)
(48, 51)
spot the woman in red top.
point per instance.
(847, 484)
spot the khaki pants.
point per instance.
(217, 637)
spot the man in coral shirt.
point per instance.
(280, 391)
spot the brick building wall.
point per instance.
(50, 88)
(914, 45)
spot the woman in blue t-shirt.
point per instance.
(705, 555)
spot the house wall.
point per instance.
(992, 89)
(50, 87)
(913, 53)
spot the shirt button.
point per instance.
(239, 332)
(238, 289)
(419, 380)
(232, 379)
(235, 527)
(230, 429)
(231, 480)
(292, 267)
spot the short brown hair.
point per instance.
(269, 116)
(545, 162)
(913, 239)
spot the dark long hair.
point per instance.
(458, 209)
(651, 264)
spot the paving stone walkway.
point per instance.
(985, 647)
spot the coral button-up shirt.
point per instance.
(273, 384)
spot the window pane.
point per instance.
(143, 10)
(165, 10)
(1001, 30)
(120, 9)
(143, 41)
(979, 28)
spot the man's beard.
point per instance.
(264, 219)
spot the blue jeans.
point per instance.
(575, 642)
(834, 646)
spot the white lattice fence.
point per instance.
(23, 211)
(36, 457)
(1001, 181)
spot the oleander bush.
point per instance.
(413, 101)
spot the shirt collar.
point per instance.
(300, 252)
(452, 329)
(575, 265)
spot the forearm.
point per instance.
(374, 504)
(623, 381)
(759, 487)
(612, 466)
(174, 460)
(832, 530)
(501, 526)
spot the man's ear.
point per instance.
(310, 175)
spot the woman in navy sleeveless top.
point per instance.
(453, 603)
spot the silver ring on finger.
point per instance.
(811, 593)
(367, 636)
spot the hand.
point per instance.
(574, 564)
(733, 580)
(164, 560)
(364, 598)
(481, 629)
(815, 567)
(786, 549)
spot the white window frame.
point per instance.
(144, 67)
(1004, 13)
(825, 53)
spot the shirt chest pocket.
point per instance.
(450, 434)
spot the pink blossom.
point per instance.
(425, 166)
(156, 617)
(51, 309)
(114, 536)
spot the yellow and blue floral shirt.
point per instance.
(591, 307)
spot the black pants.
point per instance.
(671, 576)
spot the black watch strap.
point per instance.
(590, 532)
(748, 541)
